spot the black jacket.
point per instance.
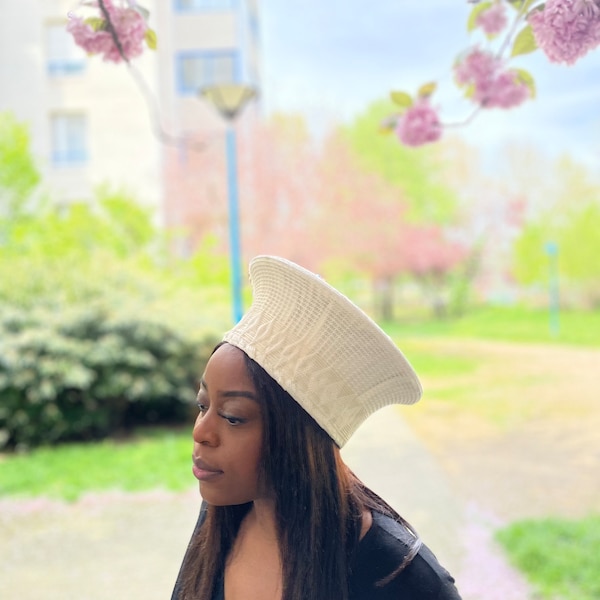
(379, 553)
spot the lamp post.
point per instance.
(229, 100)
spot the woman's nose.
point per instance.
(205, 430)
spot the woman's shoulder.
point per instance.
(381, 551)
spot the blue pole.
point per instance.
(234, 224)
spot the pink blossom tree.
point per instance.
(565, 30)
(363, 221)
(278, 175)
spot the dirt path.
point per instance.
(543, 456)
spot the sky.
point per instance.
(329, 59)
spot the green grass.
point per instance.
(559, 557)
(152, 459)
(514, 324)
(430, 361)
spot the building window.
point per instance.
(69, 139)
(198, 69)
(204, 5)
(64, 56)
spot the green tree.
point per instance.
(417, 172)
(571, 220)
(18, 174)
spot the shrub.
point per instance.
(100, 326)
(81, 372)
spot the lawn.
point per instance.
(514, 324)
(559, 557)
(153, 458)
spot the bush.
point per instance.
(100, 326)
(81, 372)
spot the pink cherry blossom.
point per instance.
(493, 86)
(493, 20)
(129, 27)
(506, 91)
(476, 68)
(419, 124)
(566, 30)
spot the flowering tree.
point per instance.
(565, 30)
(280, 178)
(277, 172)
(365, 220)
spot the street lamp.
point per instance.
(229, 100)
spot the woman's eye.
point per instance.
(233, 420)
(202, 408)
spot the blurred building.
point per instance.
(94, 122)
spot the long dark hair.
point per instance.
(318, 503)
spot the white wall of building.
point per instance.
(121, 148)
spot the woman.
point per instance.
(283, 517)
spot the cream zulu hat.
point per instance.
(322, 349)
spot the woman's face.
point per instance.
(228, 431)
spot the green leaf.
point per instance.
(427, 89)
(401, 99)
(151, 39)
(477, 10)
(96, 23)
(526, 78)
(523, 5)
(524, 42)
(529, 3)
(470, 91)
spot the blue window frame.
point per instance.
(63, 56)
(196, 69)
(69, 139)
(204, 5)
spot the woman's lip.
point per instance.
(203, 471)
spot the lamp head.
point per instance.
(228, 98)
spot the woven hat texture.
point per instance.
(321, 348)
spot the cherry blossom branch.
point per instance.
(511, 32)
(565, 30)
(111, 29)
(118, 35)
(466, 121)
(155, 119)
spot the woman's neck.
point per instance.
(253, 568)
(261, 520)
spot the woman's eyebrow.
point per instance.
(240, 394)
(232, 393)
